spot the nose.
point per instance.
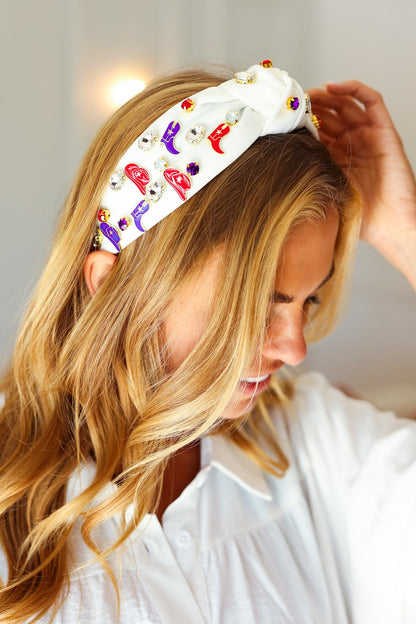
(285, 340)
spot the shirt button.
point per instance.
(184, 538)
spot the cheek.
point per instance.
(179, 344)
(189, 313)
(183, 328)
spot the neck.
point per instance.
(182, 468)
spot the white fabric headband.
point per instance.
(192, 143)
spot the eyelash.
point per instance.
(313, 300)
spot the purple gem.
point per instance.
(123, 224)
(192, 168)
(294, 103)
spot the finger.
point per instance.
(347, 108)
(332, 124)
(340, 149)
(369, 98)
(316, 94)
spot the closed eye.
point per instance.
(313, 300)
(279, 297)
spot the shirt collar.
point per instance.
(216, 452)
(222, 454)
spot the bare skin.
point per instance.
(360, 134)
(181, 470)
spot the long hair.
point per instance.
(88, 378)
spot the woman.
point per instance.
(154, 469)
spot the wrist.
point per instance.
(400, 251)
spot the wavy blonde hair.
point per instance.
(88, 376)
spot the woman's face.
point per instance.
(306, 264)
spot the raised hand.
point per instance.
(360, 134)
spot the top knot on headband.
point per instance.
(193, 142)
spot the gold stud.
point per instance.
(317, 121)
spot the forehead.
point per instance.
(307, 257)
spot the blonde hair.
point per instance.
(88, 376)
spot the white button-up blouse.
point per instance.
(332, 542)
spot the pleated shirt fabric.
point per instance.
(332, 542)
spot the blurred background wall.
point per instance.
(62, 57)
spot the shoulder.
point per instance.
(357, 465)
(325, 425)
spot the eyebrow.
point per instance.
(279, 297)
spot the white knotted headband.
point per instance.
(193, 142)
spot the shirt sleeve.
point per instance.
(359, 471)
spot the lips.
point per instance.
(256, 385)
(248, 386)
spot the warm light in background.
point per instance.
(123, 90)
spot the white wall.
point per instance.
(59, 59)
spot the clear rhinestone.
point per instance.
(308, 104)
(232, 118)
(117, 180)
(147, 140)
(245, 77)
(195, 134)
(155, 191)
(161, 164)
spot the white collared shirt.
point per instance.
(333, 542)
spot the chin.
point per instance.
(239, 408)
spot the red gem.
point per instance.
(103, 215)
(267, 63)
(317, 121)
(188, 105)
